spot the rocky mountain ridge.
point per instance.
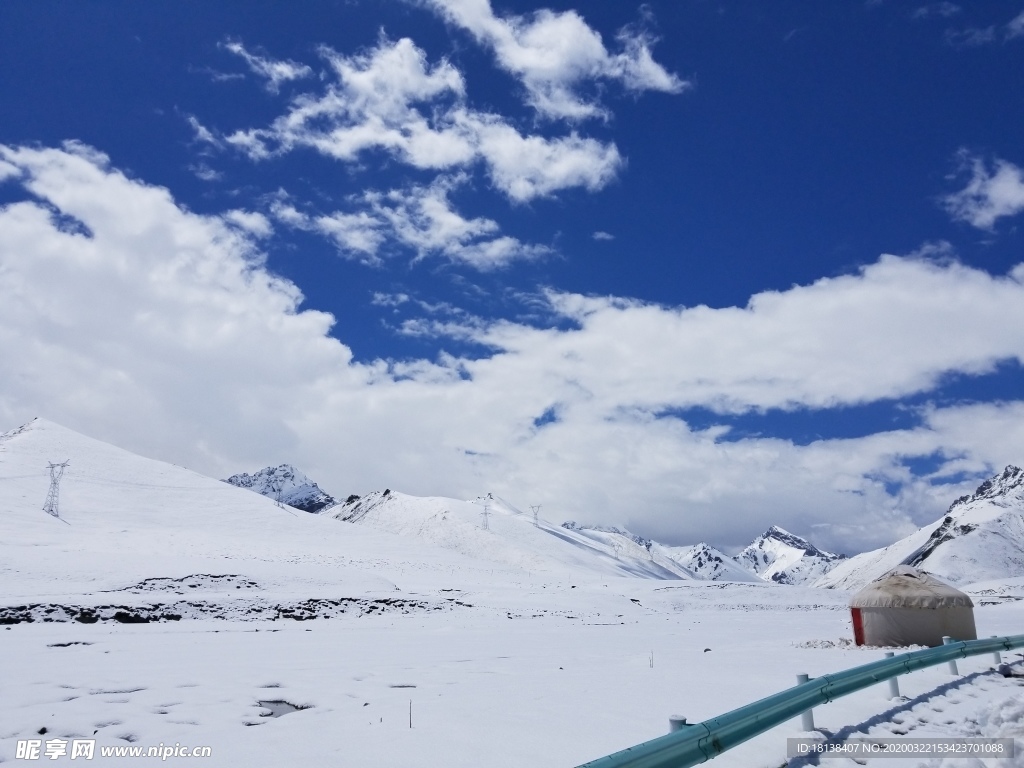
(287, 485)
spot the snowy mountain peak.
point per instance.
(783, 557)
(1010, 482)
(980, 538)
(286, 484)
(708, 562)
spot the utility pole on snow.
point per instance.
(535, 508)
(52, 505)
(485, 514)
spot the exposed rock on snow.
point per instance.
(980, 538)
(707, 562)
(780, 556)
(287, 485)
(236, 610)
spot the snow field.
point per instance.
(489, 690)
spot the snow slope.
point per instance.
(285, 484)
(980, 538)
(782, 557)
(125, 519)
(492, 529)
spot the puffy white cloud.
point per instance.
(132, 319)
(275, 71)
(525, 167)
(125, 312)
(422, 218)
(990, 194)
(390, 99)
(840, 341)
(553, 54)
(371, 106)
(253, 223)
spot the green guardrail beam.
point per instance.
(697, 743)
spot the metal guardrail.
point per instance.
(697, 743)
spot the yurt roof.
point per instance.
(906, 587)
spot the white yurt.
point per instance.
(910, 607)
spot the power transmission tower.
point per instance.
(535, 508)
(277, 496)
(485, 514)
(52, 505)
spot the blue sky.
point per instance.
(693, 267)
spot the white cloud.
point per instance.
(389, 299)
(971, 37)
(420, 218)
(600, 235)
(990, 194)
(255, 224)
(8, 171)
(161, 330)
(391, 100)
(526, 167)
(203, 134)
(840, 341)
(554, 54)
(371, 106)
(275, 71)
(203, 172)
(1015, 27)
(943, 10)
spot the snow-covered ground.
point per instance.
(553, 660)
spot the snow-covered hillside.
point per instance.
(285, 484)
(980, 538)
(492, 529)
(126, 520)
(784, 558)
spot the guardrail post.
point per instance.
(894, 685)
(947, 640)
(676, 723)
(995, 655)
(806, 718)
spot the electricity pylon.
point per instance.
(52, 505)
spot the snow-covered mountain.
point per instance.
(980, 538)
(493, 529)
(784, 558)
(707, 562)
(287, 485)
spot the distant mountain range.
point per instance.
(981, 537)
(110, 498)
